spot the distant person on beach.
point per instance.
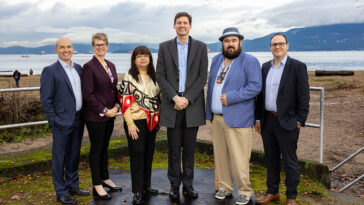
(60, 94)
(16, 76)
(101, 105)
(139, 101)
(234, 82)
(282, 108)
(181, 75)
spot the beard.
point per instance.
(231, 55)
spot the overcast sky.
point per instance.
(40, 22)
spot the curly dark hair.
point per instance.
(133, 71)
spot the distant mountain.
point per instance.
(80, 48)
(336, 37)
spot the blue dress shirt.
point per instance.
(272, 85)
(75, 80)
(182, 64)
(216, 104)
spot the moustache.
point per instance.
(230, 47)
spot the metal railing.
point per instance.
(307, 124)
(345, 161)
(321, 125)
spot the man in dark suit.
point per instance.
(282, 108)
(60, 94)
(181, 75)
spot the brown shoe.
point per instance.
(267, 198)
(291, 202)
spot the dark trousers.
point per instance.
(181, 138)
(279, 141)
(17, 82)
(100, 134)
(66, 156)
(141, 153)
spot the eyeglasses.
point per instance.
(280, 44)
(102, 45)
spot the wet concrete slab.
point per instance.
(204, 183)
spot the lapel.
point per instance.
(100, 69)
(64, 75)
(173, 51)
(78, 69)
(233, 67)
(191, 52)
(284, 74)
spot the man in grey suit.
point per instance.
(181, 75)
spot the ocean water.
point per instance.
(315, 60)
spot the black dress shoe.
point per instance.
(113, 189)
(79, 192)
(97, 196)
(174, 195)
(151, 191)
(137, 199)
(66, 199)
(190, 193)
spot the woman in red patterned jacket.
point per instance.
(139, 102)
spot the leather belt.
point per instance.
(181, 94)
(274, 114)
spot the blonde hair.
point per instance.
(100, 36)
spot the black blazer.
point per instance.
(293, 95)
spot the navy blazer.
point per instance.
(242, 84)
(293, 95)
(97, 90)
(56, 95)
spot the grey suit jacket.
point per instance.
(168, 79)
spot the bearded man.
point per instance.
(234, 82)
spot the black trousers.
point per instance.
(66, 156)
(279, 141)
(100, 134)
(141, 153)
(180, 139)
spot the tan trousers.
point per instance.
(232, 150)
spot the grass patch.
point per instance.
(20, 133)
(37, 187)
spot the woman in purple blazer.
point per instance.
(100, 96)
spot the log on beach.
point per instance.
(334, 72)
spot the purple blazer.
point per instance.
(97, 90)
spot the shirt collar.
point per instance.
(283, 61)
(180, 43)
(64, 64)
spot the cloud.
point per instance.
(36, 22)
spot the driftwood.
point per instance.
(334, 72)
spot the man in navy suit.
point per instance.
(282, 108)
(234, 82)
(60, 94)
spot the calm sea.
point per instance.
(317, 60)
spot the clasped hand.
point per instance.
(112, 112)
(180, 103)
